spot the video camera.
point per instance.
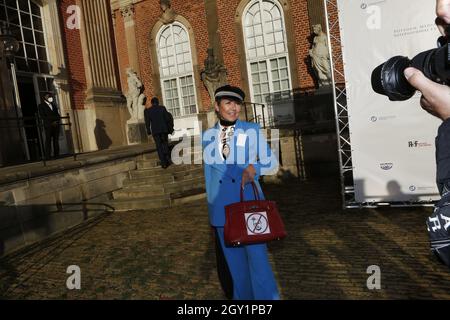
(388, 78)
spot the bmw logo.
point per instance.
(412, 188)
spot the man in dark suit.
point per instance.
(48, 112)
(159, 123)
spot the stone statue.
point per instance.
(214, 75)
(320, 58)
(169, 14)
(136, 99)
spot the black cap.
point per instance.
(229, 92)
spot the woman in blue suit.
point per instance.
(235, 154)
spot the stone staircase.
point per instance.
(151, 187)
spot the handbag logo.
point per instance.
(257, 223)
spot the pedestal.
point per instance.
(136, 133)
(315, 109)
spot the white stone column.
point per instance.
(104, 103)
(97, 49)
(56, 57)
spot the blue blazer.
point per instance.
(223, 177)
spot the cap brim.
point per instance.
(229, 95)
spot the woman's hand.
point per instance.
(248, 175)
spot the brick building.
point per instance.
(260, 45)
(85, 51)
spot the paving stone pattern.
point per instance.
(169, 254)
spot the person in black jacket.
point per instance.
(436, 100)
(159, 123)
(48, 112)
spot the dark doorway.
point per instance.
(29, 109)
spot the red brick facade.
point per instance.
(229, 37)
(74, 58)
(302, 32)
(146, 16)
(121, 49)
(148, 12)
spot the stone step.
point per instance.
(155, 163)
(175, 199)
(164, 178)
(126, 194)
(153, 154)
(143, 191)
(148, 164)
(150, 181)
(186, 182)
(186, 185)
(145, 173)
(140, 204)
(151, 192)
(186, 197)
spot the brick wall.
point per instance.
(74, 57)
(302, 34)
(229, 39)
(121, 49)
(147, 14)
(230, 33)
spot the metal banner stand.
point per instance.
(342, 119)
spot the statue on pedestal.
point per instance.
(214, 75)
(136, 99)
(320, 58)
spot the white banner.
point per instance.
(393, 146)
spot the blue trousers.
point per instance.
(250, 270)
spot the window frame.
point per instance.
(178, 76)
(266, 58)
(24, 45)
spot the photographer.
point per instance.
(436, 100)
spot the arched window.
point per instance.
(266, 50)
(176, 71)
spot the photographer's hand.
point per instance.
(435, 97)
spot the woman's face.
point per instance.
(229, 109)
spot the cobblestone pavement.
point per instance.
(168, 254)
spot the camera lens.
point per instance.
(388, 79)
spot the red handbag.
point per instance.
(252, 222)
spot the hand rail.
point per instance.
(256, 119)
(37, 122)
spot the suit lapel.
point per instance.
(227, 169)
(218, 166)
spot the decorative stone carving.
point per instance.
(127, 12)
(320, 58)
(214, 75)
(168, 15)
(136, 99)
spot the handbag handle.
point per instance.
(255, 191)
